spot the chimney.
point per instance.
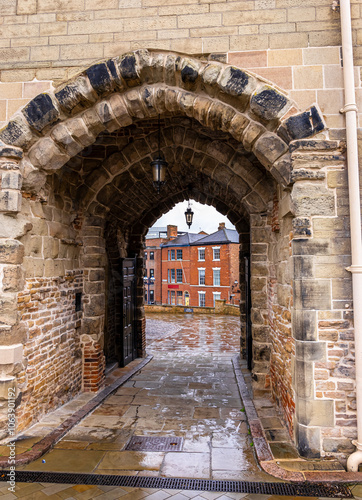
(221, 226)
(171, 232)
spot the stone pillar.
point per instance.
(320, 289)
(94, 265)
(11, 278)
(260, 238)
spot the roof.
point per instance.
(183, 240)
(222, 236)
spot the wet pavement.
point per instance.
(188, 391)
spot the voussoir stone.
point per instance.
(79, 131)
(61, 136)
(47, 155)
(78, 93)
(100, 78)
(238, 83)
(268, 148)
(16, 132)
(303, 125)
(128, 70)
(251, 133)
(190, 70)
(268, 103)
(41, 111)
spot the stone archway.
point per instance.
(73, 163)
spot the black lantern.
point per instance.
(159, 165)
(189, 215)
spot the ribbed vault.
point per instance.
(114, 178)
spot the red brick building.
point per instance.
(193, 269)
(153, 269)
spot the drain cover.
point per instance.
(154, 443)
(177, 483)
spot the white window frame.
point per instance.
(213, 252)
(213, 276)
(204, 295)
(198, 254)
(202, 269)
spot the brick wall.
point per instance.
(53, 371)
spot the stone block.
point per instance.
(61, 136)
(336, 445)
(11, 180)
(313, 199)
(315, 412)
(236, 82)
(13, 280)
(308, 441)
(312, 294)
(10, 201)
(96, 306)
(310, 351)
(304, 246)
(46, 154)
(40, 112)
(17, 131)
(304, 325)
(92, 326)
(96, 274)
(7, 387)
(268, 148)
(8, 309)
(268, 103)
(100, 78)
(11, 354)
(303, 379)
(303, 125)
(251, 134)
(303, 266)
(11, 252)
(128, 69)
(94, 287)
(78, 93)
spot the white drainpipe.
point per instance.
(350, 110)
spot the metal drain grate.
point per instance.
(155, 443)
(281, 489)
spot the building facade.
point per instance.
(249, 96)
(198, 269)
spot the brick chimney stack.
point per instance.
(221, 226)
(171, 232)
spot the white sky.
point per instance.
(206, 218)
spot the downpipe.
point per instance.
(350, 110)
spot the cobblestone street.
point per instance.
(187, 391)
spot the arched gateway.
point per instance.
(77, 197)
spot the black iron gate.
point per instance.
(128, 291)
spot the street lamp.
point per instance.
(159, 164)
(148, 282)
(189, 214)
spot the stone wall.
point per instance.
(232, 142)
(50, 41)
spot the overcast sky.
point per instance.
(206, 218)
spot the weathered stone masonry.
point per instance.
(233, 141)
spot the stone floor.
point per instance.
(188, 390)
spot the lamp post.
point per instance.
(148, 282)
